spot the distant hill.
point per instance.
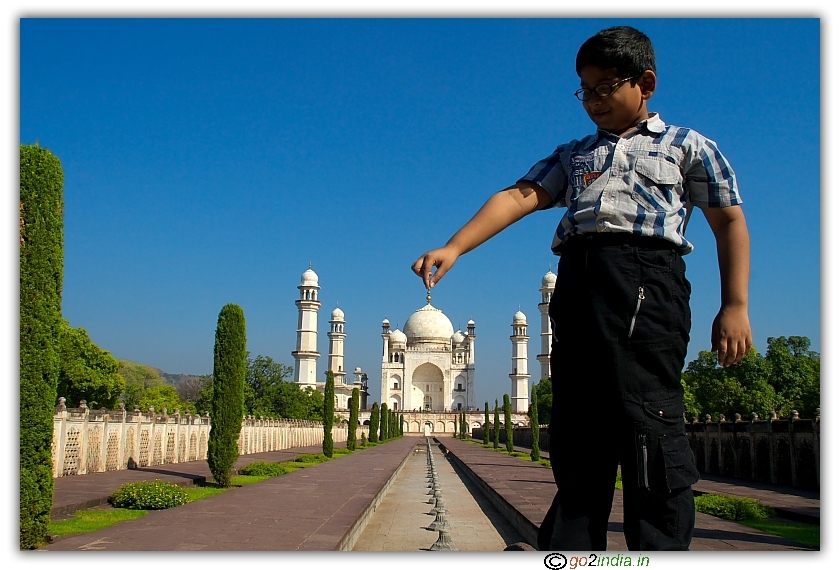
(176, 379)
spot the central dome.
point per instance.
(427, 324)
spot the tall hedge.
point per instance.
(228, 404)
(373, 435)
(535, 426)
(508, 426)
(354, 420)
(383, 422)
(329, 413)
(496, 426)
(486, 423)
(41, 278)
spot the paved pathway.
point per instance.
(321, 507)
(76, 492)
(326, 506)
(523, 491)
(400, 521)
(790, 502)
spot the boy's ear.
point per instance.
(647, 83)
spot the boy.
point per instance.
(620, 314)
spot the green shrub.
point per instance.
(341, 451)
(496, 426)
(310, 458)
(732, 508)
(228, 405)
(383, 422)
(508, 424)
(41, 279)
(353, 422)
(329, 412)
(263, 468)
(535, 425)
(149, 495)
(373, 430)
(364, 440)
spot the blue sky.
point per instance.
(209, 161)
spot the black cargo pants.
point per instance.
(621, 324)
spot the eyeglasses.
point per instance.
(602, 90)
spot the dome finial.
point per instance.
(428, 296)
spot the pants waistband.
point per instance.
(587, 241)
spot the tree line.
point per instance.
(784, 379)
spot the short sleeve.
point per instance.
(709, 179)
(551, 174)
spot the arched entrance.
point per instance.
(428, 429)
(427, 387)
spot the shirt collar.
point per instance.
(653, 124)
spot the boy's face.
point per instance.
(626, 107)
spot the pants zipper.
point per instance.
(645, 461)
(639, 299)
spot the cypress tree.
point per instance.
(364, 440)
(496, 426)
(329, 413)
(402, 421)
(535, 426)
(486, 423)
(229, 370)
(392, 431)
(463, 425)
(41, 279)
(383, 422)
(508, 426)
(373, 435)
(354, 420)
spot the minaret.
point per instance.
(547, 290)
(519, 362)
(471, 365)
(306, 356)
(337, 336)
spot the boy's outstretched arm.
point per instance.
(500, 211)
(731, 332)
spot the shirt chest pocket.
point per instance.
(658, 182)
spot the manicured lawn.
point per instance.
(803, 533)
(97, 518)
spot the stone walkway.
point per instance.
(328, 506)
(523, 491)
(76, 492)
(321, 507)
(400, 521)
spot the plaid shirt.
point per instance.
(643, 182)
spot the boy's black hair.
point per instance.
(625, 49)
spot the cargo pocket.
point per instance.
(670, 461)
(680, 471)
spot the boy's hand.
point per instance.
(443, 258)
(731, 335)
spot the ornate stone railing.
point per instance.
(93, 441)
(779, 451)
(776, 451)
